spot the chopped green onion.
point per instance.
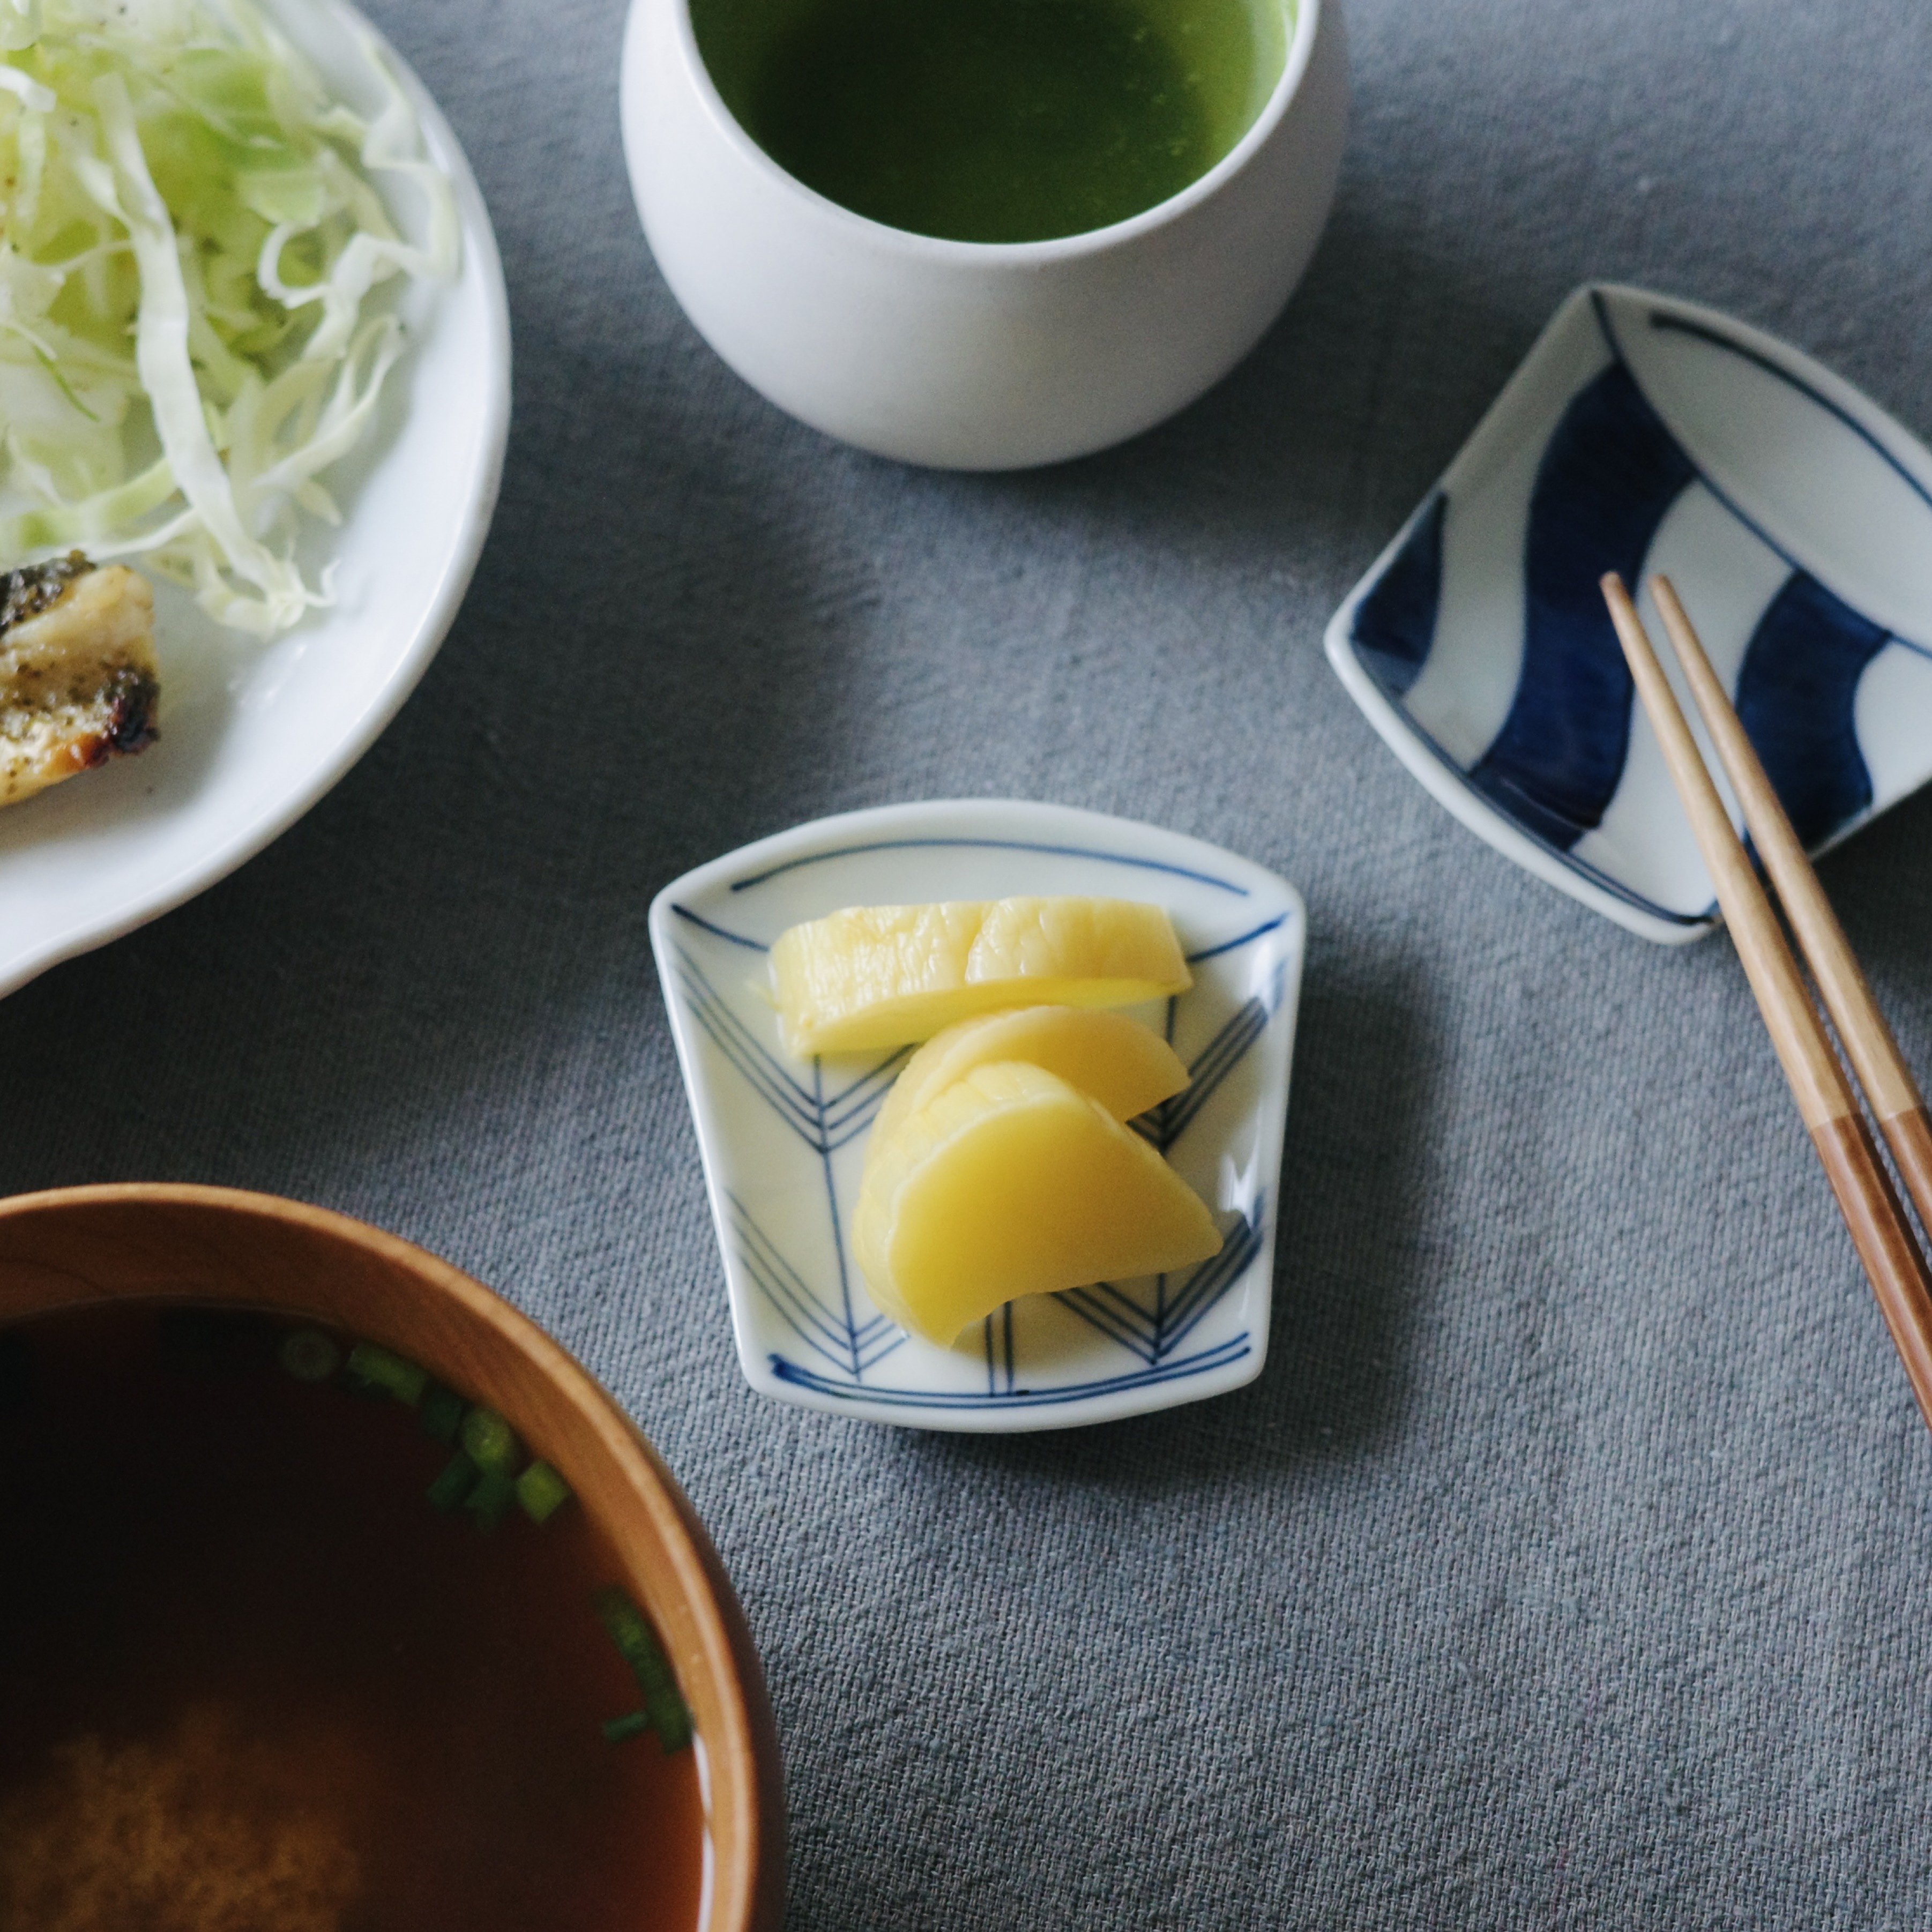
(542, 1492)
(670, 1719)
(490, 1440)
(639, 1648)
(442, 1412)
(372, 1370)
(489, 1502)
(629, 1633)
(632, 1724)
(450, 1489)
(310, 1355)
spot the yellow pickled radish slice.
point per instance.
(879, 975)
(1010, 1183)
(1127, 1067)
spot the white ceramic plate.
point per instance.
(252, 734)
(783, 1141)
(1647, 435)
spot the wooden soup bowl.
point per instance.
(214, 1245)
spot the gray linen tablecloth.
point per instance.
(1569, 1563)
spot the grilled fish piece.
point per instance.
(78, 680)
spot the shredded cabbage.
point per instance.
(190, 236)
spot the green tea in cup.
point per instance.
(995, 120)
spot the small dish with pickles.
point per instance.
(990, 1097)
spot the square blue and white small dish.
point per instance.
(1649, 435)
(783, 1140)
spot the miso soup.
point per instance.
(253, 1679)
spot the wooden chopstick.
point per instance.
(1879, 1230)
(1896, 1104)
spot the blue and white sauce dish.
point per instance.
(783, 1139)
(1651, 436)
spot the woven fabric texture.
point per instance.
(1567, 1564)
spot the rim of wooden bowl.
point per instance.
(158, 1240)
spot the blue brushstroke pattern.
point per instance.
(1794, 695)
(1395, 623)
(1607, 479)
(1681, 325)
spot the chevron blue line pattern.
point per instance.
(1153, 1333)
(1164, 1125)
(825, 1122)
(850, 1347)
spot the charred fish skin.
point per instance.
(27, 592)
(78, 683)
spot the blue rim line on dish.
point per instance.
(987, 845)
(1228, 1352)
(1193, 958)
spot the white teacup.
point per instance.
(969, 355)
